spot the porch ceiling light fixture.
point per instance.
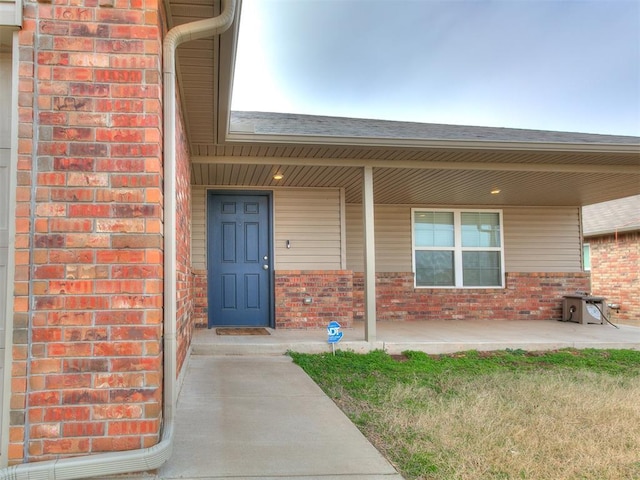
(278, 176)
(495, 191)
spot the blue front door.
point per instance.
(239, 259)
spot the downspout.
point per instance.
(114, 463)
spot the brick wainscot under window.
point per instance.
(338, 295)
(527, 296)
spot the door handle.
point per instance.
(265, 267)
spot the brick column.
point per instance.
(88, 355)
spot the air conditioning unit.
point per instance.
(584, 309)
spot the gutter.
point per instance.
(114, 463)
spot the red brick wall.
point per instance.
(184, 277)
(527, 296)
(87, 370)
(200, 299)
(338, 295)
(331, 293)
(615, 272)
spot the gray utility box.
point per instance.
(584, 309)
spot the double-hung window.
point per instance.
(457, 248)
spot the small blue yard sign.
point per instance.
(334, 333)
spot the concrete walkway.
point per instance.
(261, 417)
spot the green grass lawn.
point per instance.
(569, 414)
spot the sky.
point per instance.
(563, 65)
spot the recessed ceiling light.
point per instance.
(278, 176)
(495, 191)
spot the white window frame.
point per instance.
(457, 248)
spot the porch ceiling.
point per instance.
(456, 170)
(428, 186)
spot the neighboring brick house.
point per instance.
(612, 254)
(128, 187)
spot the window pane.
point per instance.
(481, 269)
(434, 269)
(586, 256)
(480, 229)
(433, 229)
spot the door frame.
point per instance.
(270, 241)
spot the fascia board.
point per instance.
(439, 144)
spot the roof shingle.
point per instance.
(621, 215)
(293, 124)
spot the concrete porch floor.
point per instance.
(432, 336)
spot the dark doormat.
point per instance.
(242, 331)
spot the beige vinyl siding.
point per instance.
(393, 238)
(542, 239)
(536, 239)
(198, 227)
(309, 218)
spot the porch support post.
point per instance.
(369, 256)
